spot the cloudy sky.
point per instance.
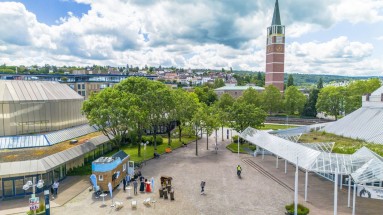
(323, 37)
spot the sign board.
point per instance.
(370, 192)
(34, 203)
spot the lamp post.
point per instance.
(144, 145)
(29, 184)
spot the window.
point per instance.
(124, 167)
(100, 177)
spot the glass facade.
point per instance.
(37, 117)
(35, 107)
(11, 187)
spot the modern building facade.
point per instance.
(55, 167)
(42, 116)
(38, 106)
(275, 51)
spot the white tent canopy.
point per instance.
(364, 165)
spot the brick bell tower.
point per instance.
(275, 51)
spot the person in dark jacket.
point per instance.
(124, 183)
(142, 185)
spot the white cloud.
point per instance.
(196, 34)
(338, 56)
(356, 11)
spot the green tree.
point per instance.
(310, 105)
(260, 79)
(320, 84)
(251, 96)
(294, 100)
(111, 111)
(198, 123)
(218, 82)
(161, 102)
(245, 115)
(271, 99)
(290, 81)
(223, 106)
(185, 107)
(356, 89)
(206, 95)
(138, 86)
(211, 122)
(331, 100)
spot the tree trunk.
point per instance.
(196, 142)
(155, 138)
(222, 133)
(169, 139)
(207, 140)
(180, 130)
(139, 140)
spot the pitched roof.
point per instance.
(276, 15)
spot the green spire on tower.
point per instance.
(276, 16)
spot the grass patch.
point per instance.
(276, 127)
(233, 147)
(343, 145)
(132, 151)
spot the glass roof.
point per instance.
(364, 165)
(30, 141)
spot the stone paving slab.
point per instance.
(255, 193)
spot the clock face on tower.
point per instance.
(279, 48)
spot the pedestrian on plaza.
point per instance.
(152, 182)
(128, 179)
(124, 183)
(135, 185)
(203, 183)
(55, 187)
(142, 185)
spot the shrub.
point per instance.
(159, 140)
(234, 139)
(302, 210)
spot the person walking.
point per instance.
(203, 183)
(55, 187)
(135, 185)
(124, 183)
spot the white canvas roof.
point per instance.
(364, 165)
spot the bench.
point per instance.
(147, 202)
(134, 204)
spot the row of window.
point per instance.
(12, 187)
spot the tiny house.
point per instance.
(110, 169)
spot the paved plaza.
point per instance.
(263, 189)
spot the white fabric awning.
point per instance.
(364, 165)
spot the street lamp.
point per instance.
(29, 184)
(144, 144)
